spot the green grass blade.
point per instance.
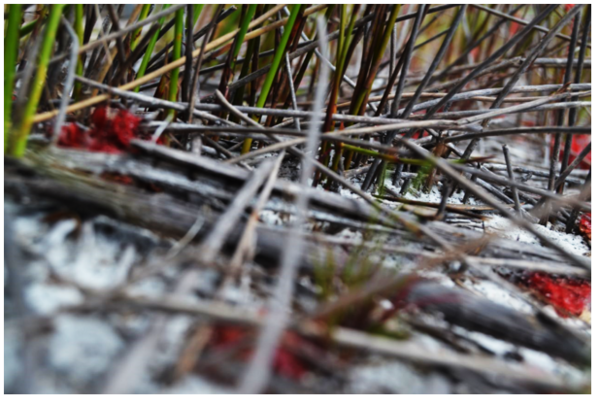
(27, 28)
(262, 99)
(11, 48)
(197, 11)
(80, 32)
(150, 50)
(239, 39)
(264, 93)
(20, 141)
(176, 55)
(135, 36)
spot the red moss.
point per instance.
(578, 143)
(225, 336)
(110, 131)
(568, 296)
(73, 136)
(288, 365)
(514, 27)
(585, 225)
(285, 362)
(119, 178)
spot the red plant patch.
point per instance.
(285, 362)
(566, 295)
(585, 225)
(73, 136)
(110, 131)
(578, 143)
(514, 27)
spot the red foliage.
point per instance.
(416, 135)
(568, 7)
(119, 178)
(73, 136)
(567, 295)
(224, 336)
(111, 130)
(285, 362)
(585, 225)
(514, 27)
(579, 142)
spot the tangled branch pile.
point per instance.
(297, 198)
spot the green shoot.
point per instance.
(174, 86)
(262, 99)
(150, 50)
(20, 137)
(11, 45)
(80, 32)
(197, 11)
(135, 36)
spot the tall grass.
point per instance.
(135, 35)
(19, 140)
(174, 85)
(277, 58)
(79, 29)
(11, 48)
(150, 50)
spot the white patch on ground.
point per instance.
(554, 366)
(345, 192)
(439, 277)
(497, 346)
(395, 261)
(207, 281)
(434, 196)
(270, 217)
(169, 346)
(152, 287)
(29, 229)
(394, 377)
(572, 323)
(532, 358)
(44, 299)
(82, 349)
(93, 261)
(505, 228)
(348, 233)
(174, 335)
(497, 294)
(129, 324)
(239, 295)
(13, 360)
(165, 355)
(37, 271)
